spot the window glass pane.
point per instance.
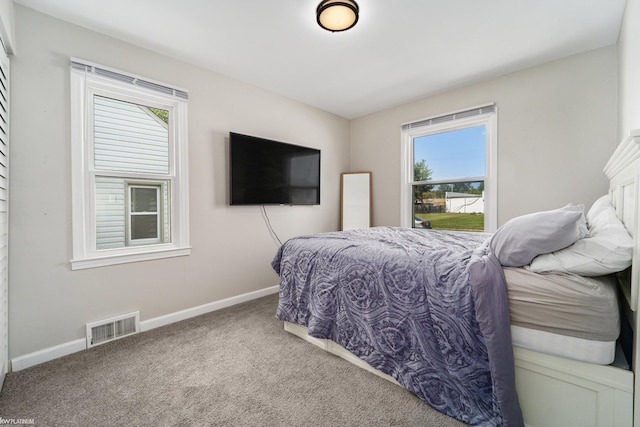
(144, 227)
(130, 137)
(145, 218)
(144, 199)
(450, 155)
(110, 212)
(453, 206)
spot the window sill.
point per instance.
(114, 259)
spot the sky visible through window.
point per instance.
(453, 154)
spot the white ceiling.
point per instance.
(400, 50)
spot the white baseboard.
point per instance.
(168, 319)
(37, 357)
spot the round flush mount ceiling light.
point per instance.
(337, 15)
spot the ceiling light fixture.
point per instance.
(337, 15)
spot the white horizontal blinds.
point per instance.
(4, 221)
(97, 70)
(110, 212)
(129, 138)
(450, 117)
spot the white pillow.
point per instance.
(522, 238)
(598, 206)
(608, 250)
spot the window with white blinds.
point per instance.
(129, 138)
(449, 171)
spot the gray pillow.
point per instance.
(608, 250)
(523, 238)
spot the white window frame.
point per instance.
(85, 83)
(433, 126)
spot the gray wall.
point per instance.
(7, 25)
(232, 249)
(556, 130)
(629, 70)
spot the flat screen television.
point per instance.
(267, 172)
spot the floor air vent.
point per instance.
(112, 329)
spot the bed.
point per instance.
(464, 320)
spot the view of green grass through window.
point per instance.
(448, 182)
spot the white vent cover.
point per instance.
(112, 329)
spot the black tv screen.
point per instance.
(266, 172)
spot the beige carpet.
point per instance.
(233, 367)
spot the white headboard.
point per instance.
(623, 171)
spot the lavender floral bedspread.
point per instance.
(427, 307)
